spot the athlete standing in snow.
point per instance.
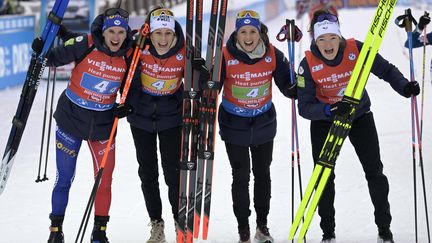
(86, 110)
(323, 76)
(157, 97)
(247, 116)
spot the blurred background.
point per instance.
(21, 22)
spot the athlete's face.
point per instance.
(248, 37)
(162, 40)
(114, 37)
(328, 45)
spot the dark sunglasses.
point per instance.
(117, 11)
(329, 17)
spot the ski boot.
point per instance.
(56, 235)
(99, 230)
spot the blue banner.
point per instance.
(17, 34)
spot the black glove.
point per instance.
(64, 33)
(291, 91)
(340, 108)
(423, 21)
(411, 88)
(122, 110)
(37, 45)
(199, 65)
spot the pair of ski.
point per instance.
(30, 86)
(199, 121)
(342, 124)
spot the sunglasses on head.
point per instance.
(117, 11)
(329, 17)
(248, 14)
(161, 12)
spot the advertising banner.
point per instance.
(17, 34)
(78, 16)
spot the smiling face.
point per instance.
(114, 37)
(162, 40)
(328, 45)
(248, 37)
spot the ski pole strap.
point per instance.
(289, 32)
(54, 18)
(406, 20)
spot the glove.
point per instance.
(122, 110)
(340, 108)
(411, 88)
(423, 21)
(199, 65)
(291, 91)
(37, 45)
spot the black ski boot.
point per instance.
(56, 235)
(99, 230)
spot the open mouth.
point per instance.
(115, 43)
(163, 45)
(329, 51)
(249, 43)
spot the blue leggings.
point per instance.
(67, 149)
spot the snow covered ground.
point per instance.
(25, 205)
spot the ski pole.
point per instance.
(50, 125)
(38, 179)
(408, 20)
(291, 33)
(135, 60)
(425, 15)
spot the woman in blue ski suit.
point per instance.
(86, 110)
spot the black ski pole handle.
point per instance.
(406, 20)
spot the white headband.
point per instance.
(326, 27)
(160, 22)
